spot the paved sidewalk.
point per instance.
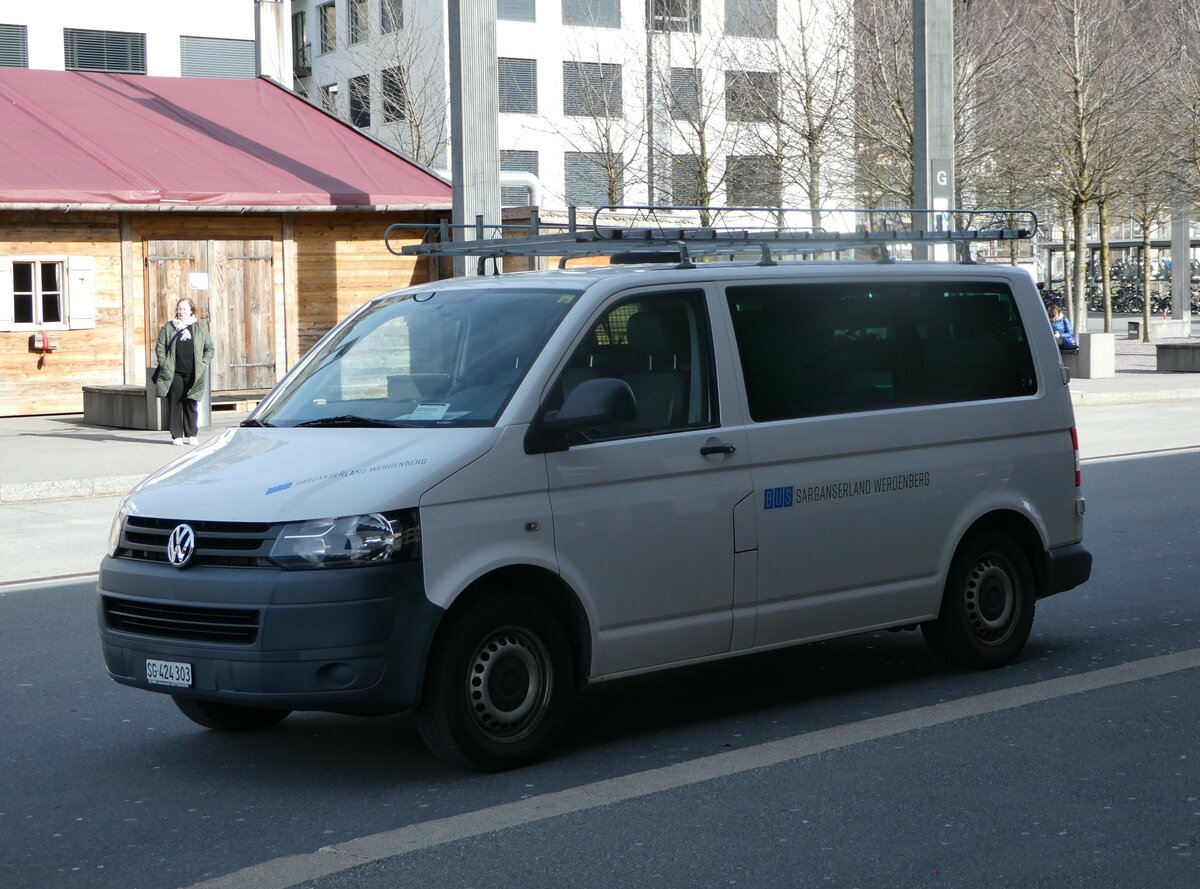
(61, 458)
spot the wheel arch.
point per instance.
(1019, 527)
(547, 588)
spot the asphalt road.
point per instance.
(862, 762)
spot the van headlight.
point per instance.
(349, 541)
(118, 522)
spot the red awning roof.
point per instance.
(118, 139)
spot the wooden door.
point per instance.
(231, 286)
(170, 266)
(242, 315)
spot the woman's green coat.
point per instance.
(164, 351)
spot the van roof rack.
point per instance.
(682, 233)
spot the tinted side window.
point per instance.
(660, 345)
(815, 349)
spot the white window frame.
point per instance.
(77, 300)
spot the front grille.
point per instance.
(193, 623)
(225, 544)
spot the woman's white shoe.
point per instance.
(176, 441)
(192, 440)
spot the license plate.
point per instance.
(171, 673)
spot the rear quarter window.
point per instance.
(812, 349)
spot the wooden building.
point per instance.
(120, 193)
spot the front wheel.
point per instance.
(228, 717)
(987, 606)
(498, 686)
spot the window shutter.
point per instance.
(118, 52)
(6, 294)
(14, 46)
(592, 13)
(81, 292)
(751, 18)
(216, 57)
(518, 85)
(515, 10)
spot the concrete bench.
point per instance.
(124, 407)
(1177, 357)
(1096, 358)
(1160, 328)
(136, 407)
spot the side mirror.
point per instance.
(592, 404)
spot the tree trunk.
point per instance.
(1078, 304)
(1105, 291)
(1146, 313)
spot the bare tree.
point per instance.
(883, 120)
(1089, 82)
(689, 73)
(397, 58)
(809, 100)
(605, 100)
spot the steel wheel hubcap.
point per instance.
(991, 599)
(508, 684)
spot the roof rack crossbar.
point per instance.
(719, 231)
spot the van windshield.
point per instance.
(430, 358)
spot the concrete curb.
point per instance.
(67, 489)
(1136, 396)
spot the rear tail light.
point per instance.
(1075, 448)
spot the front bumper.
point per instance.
(347, 641)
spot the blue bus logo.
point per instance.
(777, 498)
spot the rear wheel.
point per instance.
(228, 717)
(498, 686)
(987, 606)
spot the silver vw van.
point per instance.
(475, 496)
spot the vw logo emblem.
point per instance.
(181, 545)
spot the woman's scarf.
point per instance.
(181, 326)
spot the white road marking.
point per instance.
(293, 870)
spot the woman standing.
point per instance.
(184, 351)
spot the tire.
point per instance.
(228, 717)
(987, 606)
(498, 686)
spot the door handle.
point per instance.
(717, 449)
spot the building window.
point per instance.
(395, 95)
(521, 161)
(590, 181)
(752, 181)
(38, 293)
(751, 18)
(391, 15)
(216, 57)
(301, 50)
(329, 98)
(675, 15)
(327, 15)
(685, 94)
(14, 46)
(516, 10)
(751, 96)
(518, 86)
(592, 89)
(356, 21)
(117, 52)
(685, 180)
(360, 100)
(592, 13)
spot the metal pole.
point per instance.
(933, 108)
(474, 115)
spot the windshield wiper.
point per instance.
(254, 422)
(346, 420)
